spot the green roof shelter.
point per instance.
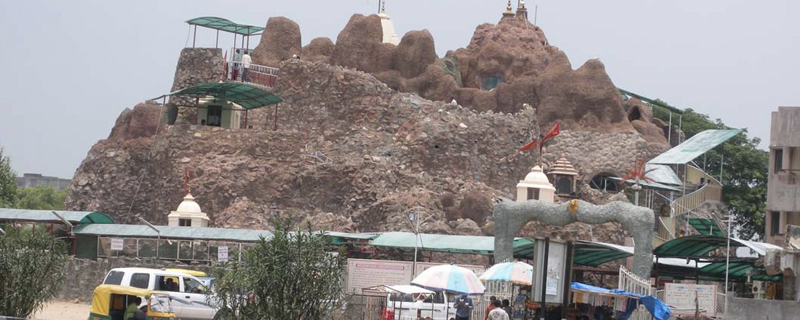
(222, 24)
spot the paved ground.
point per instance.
(63, 310)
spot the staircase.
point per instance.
(687, 206)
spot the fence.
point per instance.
(256, 74)
(185, 250)
(712, 191)
(632, 283)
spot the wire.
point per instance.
(149, 155)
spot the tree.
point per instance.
(290, 276)
(41, 198)
(31, 270)
(8, 182)
(739, 164)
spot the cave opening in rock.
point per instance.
(604, 182)
(634, 114)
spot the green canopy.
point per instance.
(74, 217)
(593, 254)
(245, 95)
(694, 147)
(223, 24)
(706, 226)
(736, 269)
(694, 246)
(523, 247)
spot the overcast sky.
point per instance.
(70, 67)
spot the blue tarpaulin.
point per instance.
(657, 308)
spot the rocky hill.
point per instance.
(358, 145)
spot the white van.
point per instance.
(189, 300)
(434, 306)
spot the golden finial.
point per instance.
(508, 8)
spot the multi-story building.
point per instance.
(32, 180)
(783, 193)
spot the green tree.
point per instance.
(739, 164)
(290, 276)
(41, 198)
(31, 270)
(8, 182)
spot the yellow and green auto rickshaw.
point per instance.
(111, 301)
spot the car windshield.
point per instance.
(160, 303)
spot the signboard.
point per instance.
(556, 270)
(222, 253)
(681, 296)
(363, 273)
(116, 244)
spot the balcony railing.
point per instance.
(255, 74)
(712, 191)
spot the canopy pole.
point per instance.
(216, 44)
(656, 273)
(721, 165)
(194, 37)
(567, 279)
(696, 272)
(248, 38)
(197, 109)
(245, 118)
(669, 132)
(544, 277)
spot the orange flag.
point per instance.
(528, 146)
(550, 134)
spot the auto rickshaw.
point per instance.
(110, 301)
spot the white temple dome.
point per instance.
(536, 179)
(189, 205)
(389, 35)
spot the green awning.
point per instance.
(226, 25)
(338, 238)
(706, 226)
(694, 147)
(694, 246)
(523, 247)
(74, 217)
(247, 96)
(188, 233)
(593, 254)
(737, 269)
(627, 94)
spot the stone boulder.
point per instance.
(281, 39)
(360, 45)
(140, 122)
(415, 53)
(318, 49)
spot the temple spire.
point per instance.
(509, 11)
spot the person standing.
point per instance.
(246, 61)
(506, 305)
(463, 306)
(489, 307)
(497, 313)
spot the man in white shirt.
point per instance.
(246, 61)
(497, 313)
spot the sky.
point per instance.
(71, 67)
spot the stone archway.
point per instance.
(510, 217)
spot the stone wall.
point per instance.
(195, 66)
(84, 275)
(747, 309)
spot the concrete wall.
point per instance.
(783, 190)
(785, 128)
(748, 309)
(32, 180)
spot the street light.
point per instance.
(158, 244)
(727, 259)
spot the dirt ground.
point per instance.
(63, 310)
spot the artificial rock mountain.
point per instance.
(364, 135)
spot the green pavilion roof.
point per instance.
(167, 232)
(226, 25)
(74, 217)
(593, 254)
(706, 226)
(523, 247)
(694, 147)
(245, 95)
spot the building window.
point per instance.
(185, 222)
(775, 224)
(778, 160)
(533, 194)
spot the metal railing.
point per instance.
(712, 191)
(254, 74)
(169, 249)
(632, 283)
(665, 227)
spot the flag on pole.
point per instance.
(528, 146)
(550, 134)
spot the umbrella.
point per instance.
(515, 272)
(450, 278)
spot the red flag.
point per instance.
(528, 146)
(550, 134)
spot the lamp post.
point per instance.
(158, 243)
(415, 220)
(727, 261)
